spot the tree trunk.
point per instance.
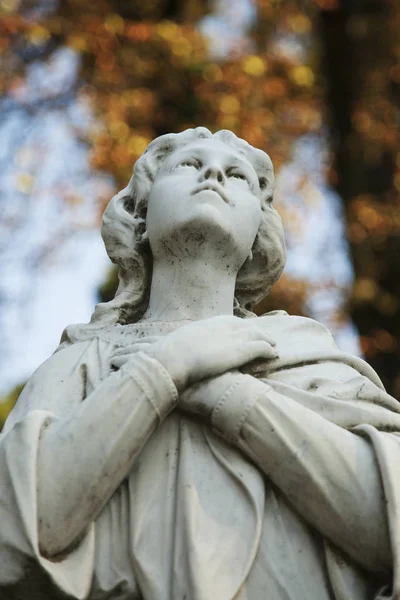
(359, 42)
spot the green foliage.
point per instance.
(109, 286)
(7, 402)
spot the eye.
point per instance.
(237, 175)
(191, 163)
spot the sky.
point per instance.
(51, 252)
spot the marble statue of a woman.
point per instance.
(178, 447)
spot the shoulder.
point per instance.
(293, 331)
(64, 362)
(59, 382)
(305, 344)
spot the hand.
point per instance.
(124, 354)
(205, 348)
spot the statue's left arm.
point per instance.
(307, 443)
(329, 474)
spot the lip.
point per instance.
(211, 188)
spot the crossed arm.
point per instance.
(329, 474)
(88, 445)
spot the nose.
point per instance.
(214, 172)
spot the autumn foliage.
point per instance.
(145, 71)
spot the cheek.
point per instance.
(249, 219)
(157, 212)
(164, 214)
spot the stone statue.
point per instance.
(179, 447)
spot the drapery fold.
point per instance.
(188, 536)
(24, 572)
(194, 504)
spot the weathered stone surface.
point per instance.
(177, 446)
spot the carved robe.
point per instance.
(199, 517)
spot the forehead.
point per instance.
(211, 148)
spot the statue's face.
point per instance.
(207, 191)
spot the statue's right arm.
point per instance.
(88, 447)
(89, 443)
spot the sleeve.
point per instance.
(24, 572)
(327, 436)
(54, 392)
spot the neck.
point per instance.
(194, 289)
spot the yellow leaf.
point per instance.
(212, 73)
(24, 182)
(138, 144)
(9, 6)
(119, 129)
(365, 289)
(302, 75)
(229, 104)
(77, 42)
(300, 24)
(254, 65)
(38, 35)
(167, 30)
(114, 23)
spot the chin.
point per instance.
(203, 232)
(209, 221)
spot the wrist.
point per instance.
(154, 380)
(172, 364)
(231, 412)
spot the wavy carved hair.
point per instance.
(124, 235)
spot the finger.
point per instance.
(261, 349)
(258, 334)
(123, 351)
(266, 337)
(134, 347)
(260, 325)
(123, 358)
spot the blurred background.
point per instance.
(86, 85)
